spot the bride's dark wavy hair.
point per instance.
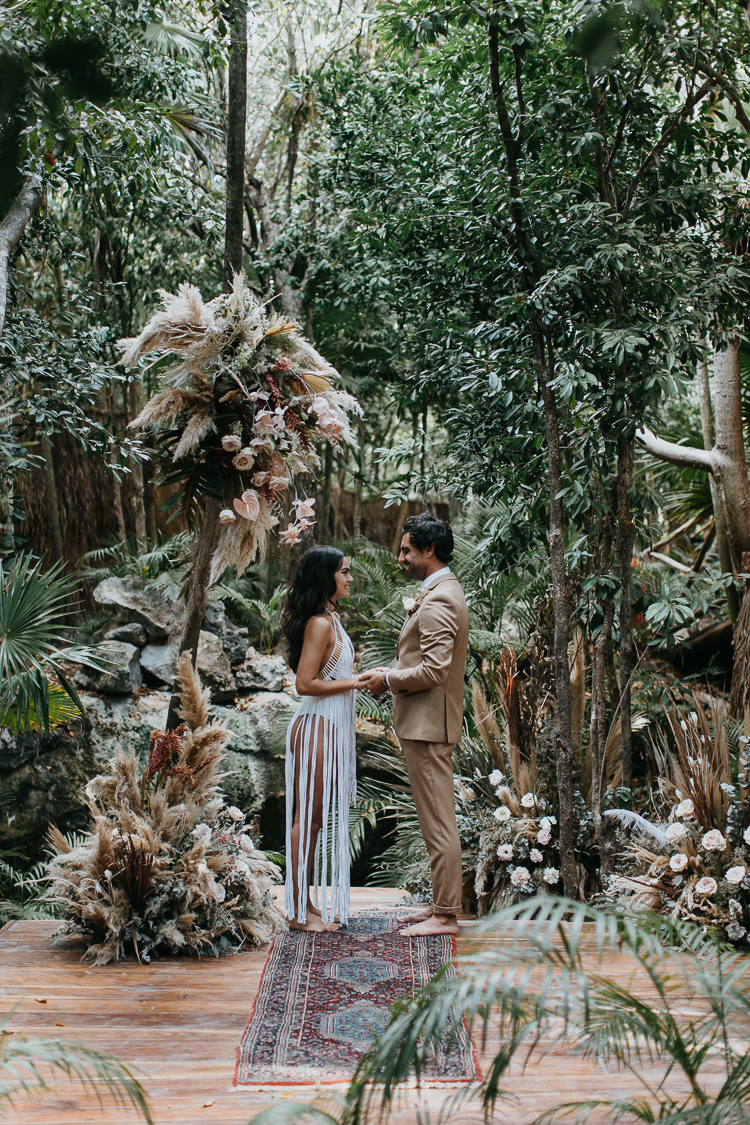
(313, 585)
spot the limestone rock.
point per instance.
(262, 673)
(160, 661)
(123, 675)
(232, 637)
(128, 598)
(132, 633)
(45, 777)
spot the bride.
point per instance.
(320, 744)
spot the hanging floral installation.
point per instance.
(167, 866)
(238, 414)
(693, 862)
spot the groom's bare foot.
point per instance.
(313, 925)
(435, 924)
(419, 915)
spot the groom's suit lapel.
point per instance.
(412, 616)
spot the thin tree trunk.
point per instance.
(598, 744)
(53, 502)
(236, 115)
(136, 473)
(730, 449)
(625, 539)
(19, 215)
(563, 742)
(150, 501)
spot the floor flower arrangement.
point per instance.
(695, 863)
(167, 866)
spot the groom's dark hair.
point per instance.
(426, 530)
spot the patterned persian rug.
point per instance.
(323, 998)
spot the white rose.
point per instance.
(235, 813)
(408, 603)
(705, 886)
(678, 862)
(520, 876)
(502, 814)
(535, 855)
(676, 832)
(226, 515)
(202, 832)
(505, 852)
(528, 801)
(551, 875)
(735, 875)
(496, 778)
(543, 837)
(231, 443)
(685, 808)
(546, 823)
(713, 841)
(246, 844)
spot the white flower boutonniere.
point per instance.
(412, 604)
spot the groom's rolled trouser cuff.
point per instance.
(430, 767)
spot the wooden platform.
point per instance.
(178, 1023)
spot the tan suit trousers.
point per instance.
(430, 769)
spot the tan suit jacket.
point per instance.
(428, 680)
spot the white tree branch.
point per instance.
(686, 455)
(12, 227)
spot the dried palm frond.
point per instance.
(701, 765)
(278, 324)
(486, 724)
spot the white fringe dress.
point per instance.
(323, 725)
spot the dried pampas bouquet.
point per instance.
(167, 865)
(238, 414)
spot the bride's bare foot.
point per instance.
(313, 925)
(435, 924)
(421, 914)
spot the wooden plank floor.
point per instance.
(178, 1023)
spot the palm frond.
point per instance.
(25, 1063)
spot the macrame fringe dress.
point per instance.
(323, 725)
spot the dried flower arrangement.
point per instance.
(695, 864)
(518, 853)
(167, 866)
(238, 414)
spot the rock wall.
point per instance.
(44, 779)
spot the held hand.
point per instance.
(374, 681)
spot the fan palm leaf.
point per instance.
(33, 605)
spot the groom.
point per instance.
(428, 701)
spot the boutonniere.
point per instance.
(412, 604)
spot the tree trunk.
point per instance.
(722, 543)
(563, 742)
(236, 16)
(136, 471)
(53, 503)
(625, 538)
(20, 214)
(729, 448)
(726, 460)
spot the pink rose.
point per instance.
(705, 886)
(231, 443)
(544, 836)
(244, 460)
(505, 852)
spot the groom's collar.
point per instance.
(434, 577)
